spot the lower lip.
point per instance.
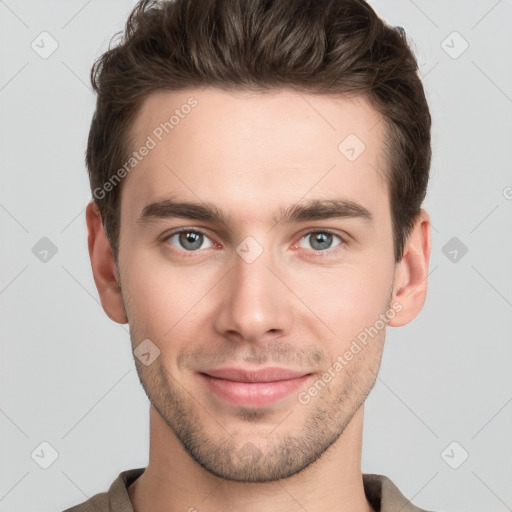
(252, 394)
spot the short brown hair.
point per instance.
(312, 46)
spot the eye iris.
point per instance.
(324, 240)
(190, 237)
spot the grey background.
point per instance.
(66, 372)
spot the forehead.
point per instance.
(255, 149)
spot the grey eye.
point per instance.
(320, 240)
(189, 240)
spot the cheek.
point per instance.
(162, 298)
(347, 299)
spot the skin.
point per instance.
(296, 305)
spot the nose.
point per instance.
(255, 305)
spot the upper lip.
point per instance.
(261, 375)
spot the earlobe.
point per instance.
(103, 266)
(411, 276)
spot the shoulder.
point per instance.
(115, 499)
(98, 503)
(385, 496)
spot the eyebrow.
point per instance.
(315, 209)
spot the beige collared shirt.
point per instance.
(380, 491)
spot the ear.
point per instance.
(103, 266)
(411, 275)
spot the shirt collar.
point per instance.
(381, 492)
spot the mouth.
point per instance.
(253, 388)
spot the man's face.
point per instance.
(255, 290)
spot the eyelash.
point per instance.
(318, 253)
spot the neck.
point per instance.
(174, 481)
